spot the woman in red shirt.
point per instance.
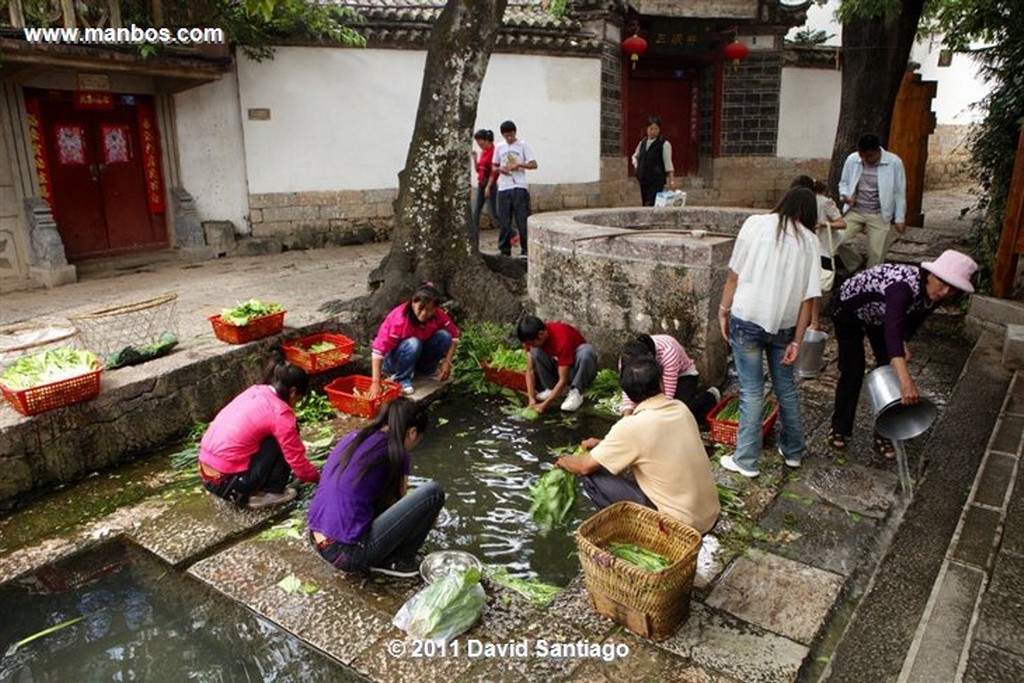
(484, 161)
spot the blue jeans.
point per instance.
(751, 343)
(415, 357)
(396, 534)
(482, 202)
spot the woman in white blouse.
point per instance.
(766, 306)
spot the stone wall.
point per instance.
(751, 181)
(599, 271)
(948, 157)
(10, 217)
(750, 105)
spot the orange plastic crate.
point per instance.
(297, 352)
(258, 328)
(724, 431)
(341, 394)
(64, 392)
(505, 378)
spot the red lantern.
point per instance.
(634, 46)
(736, 51)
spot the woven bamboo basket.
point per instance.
(651, 604)
(134, 324)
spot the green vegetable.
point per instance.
(730, 412)
(45, 632)
(522, 412)
(46, 367)
(605, 385)
(641, 557)
(513, 360)
(131, 355)
(319, 347)
(537, 592)
(553, 496)
(477, 344)
(242, 314)
(729, 500)
(314, 407)
(188, 456)
(445, 608)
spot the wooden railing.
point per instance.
(89, 13)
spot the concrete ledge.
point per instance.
(1013, 347)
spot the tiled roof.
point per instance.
(812, 56)
(527, 26)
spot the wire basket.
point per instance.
(28, 338)
(134, 324)
(651, 604)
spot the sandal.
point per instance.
(837, 441)
(884, 447)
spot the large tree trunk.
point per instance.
(875, 56)
(432, 213)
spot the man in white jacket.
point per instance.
(874, 189)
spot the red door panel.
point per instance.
(78, 201)
(670, 99)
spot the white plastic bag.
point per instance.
(445, 608)
(670, 198)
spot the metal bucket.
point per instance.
(894, 420)
(812, 353)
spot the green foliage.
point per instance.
(478, 342)
(242, 314)
(314, 407)
(256, 25)
(537, 592)
(990, 32)
(508, 359)
(850, 10)
(641, 557)
(605, 385)
(553, 496)
(188, 456)
(808, 37)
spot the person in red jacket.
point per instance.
(252, 446)
(560, 358)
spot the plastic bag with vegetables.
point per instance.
(445, 608)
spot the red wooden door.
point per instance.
(672, 100)
(98, 183)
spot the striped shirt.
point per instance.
(674, 362)
(891, 296)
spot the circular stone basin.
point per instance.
(616, 273)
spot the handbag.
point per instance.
(828, 264)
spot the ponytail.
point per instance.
(283, 377)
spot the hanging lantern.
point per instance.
(634, 46)
(736, 51)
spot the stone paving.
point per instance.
(756, 617)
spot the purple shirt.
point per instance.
(345, 504)
(891, 296)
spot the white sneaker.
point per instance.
(790, 462)
(408, 389)
(573, 401)
(267, 499)
(728, 463)
(543, 395)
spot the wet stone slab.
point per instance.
(853, 487)
(817, 533)
(197, 523)
(343, 617)
(722, 643)
(573, 605)
(781, 595)
(645, 663)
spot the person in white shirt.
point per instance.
(774, 276)
(873, 187)
(512, 159)
(679, 377)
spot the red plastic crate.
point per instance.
(296, 352)
(341, 394)
(258, 328)
(724, 431)
(504, 378)
(64, 392)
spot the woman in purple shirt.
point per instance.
(362, 517)
(887, 304)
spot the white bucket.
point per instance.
(812, 354)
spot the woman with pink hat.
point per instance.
(887, 304)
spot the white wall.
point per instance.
(808, 112)
(210, 150)
(342, 119)
(958, 85)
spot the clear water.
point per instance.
(486, 461)
(144, 622)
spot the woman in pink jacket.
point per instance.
(417, 338)
(252, 446)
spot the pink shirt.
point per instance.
(397, 327)
(674, 362)
(235, 434)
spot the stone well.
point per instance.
(615, 273)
